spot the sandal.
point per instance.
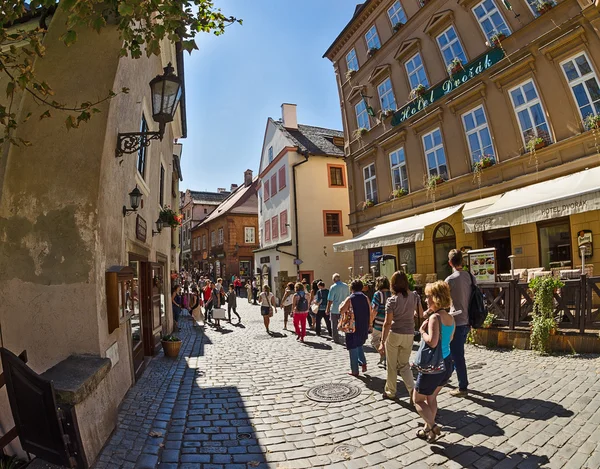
(433, 434)
(422, 433)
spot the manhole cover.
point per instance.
(332, 392)
(244, 436)
(345, 449)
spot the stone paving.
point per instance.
(236, 399)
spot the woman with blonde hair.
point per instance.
(267, 306)
(300, 306)
(437, 331)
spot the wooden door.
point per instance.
(137, 318)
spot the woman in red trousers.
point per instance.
(300, 304)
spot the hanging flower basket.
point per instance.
(170, 218)
(535, 143)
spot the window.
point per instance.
(478, 134)
(282, 178)
(370, 183)
(273, 184)
(444, 240)
(267, 189)
(399, 172)
(533, 6)
(221, 237)
(372, 38)
(336, 176)
(416, 72)
(351, 60)
(161, 188)
(268, 230)
(142, 152)
(332, 223)
(249, 235)
(213, 239)
(451, 47)
(490, 19)
(275, 227)
(584, 84)
(283, 222)
(270, 154)
(555, 244)
(396, 14)
(386, 95)
(203, 241)
(530, 112)
(205, 210)
(362, 116)
(435, 154)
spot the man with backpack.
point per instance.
(461, 286)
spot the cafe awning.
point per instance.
(567, 195)
(403, 231)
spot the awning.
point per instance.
(406, 230)
(567, 195)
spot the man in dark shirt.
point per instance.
(321, 300)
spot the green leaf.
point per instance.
(69, 37)
(10, 88)
(125, 9)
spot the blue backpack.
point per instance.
(302, 304)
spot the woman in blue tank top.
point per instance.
(437, 330)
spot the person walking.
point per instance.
(208, 304)
(267, 306)
(237, 284)
(321, 301)
(196, 303)
(286, 302)
(231, 300)
(361, 307)
(382, 293)
(249, 291)
(460, 283)
(300, 306)
(398, 334)
(338, 292)
(437, 330)
(176, 305)
(216, 300)
(255, 291)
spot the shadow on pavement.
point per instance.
(240, 325)
(277, 335)
(467, 455)
(377, 385)
(318, 345)
(467, 424)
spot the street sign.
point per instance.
(297, 261)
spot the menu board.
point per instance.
(482, 264)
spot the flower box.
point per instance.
(455, 66)
(350, 73)
(397, 193)
(372, 51)
(397, 27)
(496, 39)
(544, 7)
(592, 122)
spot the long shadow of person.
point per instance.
(467, 424)
(317, 345)
(277, 335)
(377, 385)
(483, 456)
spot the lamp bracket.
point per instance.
(156, 233)
(131, 142)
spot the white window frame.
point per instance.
(352, 60)
(450, 44)
(398, 167)
(528, 105)
(370, 183)
(416, 71)
(220, 237)
(249, 235)
(396, 14)
(477, 131)
(388, 92)
(488, 15)
(213, 239)
(359, 115)
(372, 38)
(434, 150)
(581, 81)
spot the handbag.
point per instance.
(314, 308)
(347, 324)
(219, 313)
(429, 360)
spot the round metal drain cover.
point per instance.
(244, 436)
(332, 392)
(345, 449)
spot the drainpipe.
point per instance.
(305, 154)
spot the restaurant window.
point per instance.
(583, 83)
(396, 14)
(555, 244)
(478, 134)
(370, 183)
(451, 47)
(407, 254)
(352, 60)
(249, 235)
(336, 176)
(444, 240)
(282, 178)
(283, 221)
(268, 230)
(143, 151)
(386, 95)
(333, 223)
(416, 72)
(362, 116)
(399, 172)
(435, 154)
(490, 19)
(372, 38)
(530, 112)
(275, 227)
(221, 237)
(273, 184)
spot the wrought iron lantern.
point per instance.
(159, 227)
(135, 199)
(165, 91)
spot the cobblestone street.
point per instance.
(236, 399)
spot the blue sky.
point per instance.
(237, 80)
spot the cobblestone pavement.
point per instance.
(236, 399)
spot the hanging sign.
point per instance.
(475, 68)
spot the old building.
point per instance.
(303, 202)
(195, 207)
(471, 124)
(72, 216)
(227, 237)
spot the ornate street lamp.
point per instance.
(159, 227)
(135, 198)
(165, 91)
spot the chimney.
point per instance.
(233, 187)
(288, 116)
(247, 177)
(221, 190)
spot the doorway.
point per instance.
(499, 239)
(137, 317)
(444, 240)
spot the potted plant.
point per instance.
(398, 26)
(387, 113)
(455, 66)
(543, 6)
(543, 322)
(171, 345)
(358, 133)
(431, 184)
(369, 203)
(400, 192)
(485, 162)
(496, 39)
(169, 217)
(372, 51)
(592, 122)
(535, 143)
(350, 73)
(489, 320)
(418, 91)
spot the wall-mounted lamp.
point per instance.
(165, 91)
(159, 227)
(135, 198)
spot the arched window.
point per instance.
(444, 240)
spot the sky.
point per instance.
(234, 82)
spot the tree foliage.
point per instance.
(142, 26)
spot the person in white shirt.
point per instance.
(267, 301)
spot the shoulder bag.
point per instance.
(347, 323)
(429, 360)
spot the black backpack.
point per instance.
(302, 303)
(477, 309)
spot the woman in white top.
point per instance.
(267, 301)
(286, 302)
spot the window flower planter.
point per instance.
(350, 73)
(358, 133)
(544, 7)
(397, 193)
(397, 27)
(417, 92)
(455, 66)
(387, 113)
(536, 143)
(369, 203)
(485, 162)
(496, 39)
(372, 51)
(592, 122)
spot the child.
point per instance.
(231, 300)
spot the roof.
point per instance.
(209, 197)
(359, 8)
(315, 140)
(235, 203)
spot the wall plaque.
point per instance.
(140, 228)
(585, 238)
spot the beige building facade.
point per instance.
(458, 113)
